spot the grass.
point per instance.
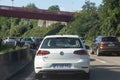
(4, 48)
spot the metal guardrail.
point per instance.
(12, 62)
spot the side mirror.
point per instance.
(87, 47)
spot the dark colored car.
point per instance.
(105, 45)
(37, 41)
(28, 42)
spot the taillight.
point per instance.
(102, 44)
(42, 52)
(81, 52)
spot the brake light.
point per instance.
(41, 52)
(102, 44)
(81, 52)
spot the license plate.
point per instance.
(111, 44)
(61, 66)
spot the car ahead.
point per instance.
(10, 41)
(29, 41)
(37, 41)
(105, 45)
(62, 54)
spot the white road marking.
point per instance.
(104, 62)
(112, 67)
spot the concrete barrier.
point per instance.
(14, 61)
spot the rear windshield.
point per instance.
(109, 39)
(62, 43)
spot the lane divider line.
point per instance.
(104, 62)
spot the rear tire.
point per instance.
(92, 52)
(98, 53)
(85, 76)
(38, 77)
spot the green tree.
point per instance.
(110, 17)
(90, 20)
(31, 5)
(86, 21)
(54, 7)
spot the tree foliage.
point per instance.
(15, 26)
(31, 5)
(110, 18)
(92, 21)
(86, 22)
(54, 7)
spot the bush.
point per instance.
(4, 48)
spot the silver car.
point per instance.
(10, 41)
(62, 54)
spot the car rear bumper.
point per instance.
(109, 50)
(61, 71)
(74, 67)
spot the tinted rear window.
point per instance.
(62, 43)
(109, 39)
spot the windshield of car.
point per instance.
(109, 39)
(62, 43)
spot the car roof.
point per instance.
(105, 36)
(52, 36)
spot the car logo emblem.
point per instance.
(61, 53)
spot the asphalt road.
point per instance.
(102, 68)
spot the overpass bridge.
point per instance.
(30, 13)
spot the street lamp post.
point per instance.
(12, 2)
(11, 20)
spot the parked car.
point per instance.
(29, 41)
(105, 45)
(62, 54)
(11, 41)
(19, 42)
(37, 41)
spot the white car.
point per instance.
(62, 54)
(11, 41)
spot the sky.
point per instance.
(64, 5)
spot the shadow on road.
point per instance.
(105, 72)
(63, 77)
